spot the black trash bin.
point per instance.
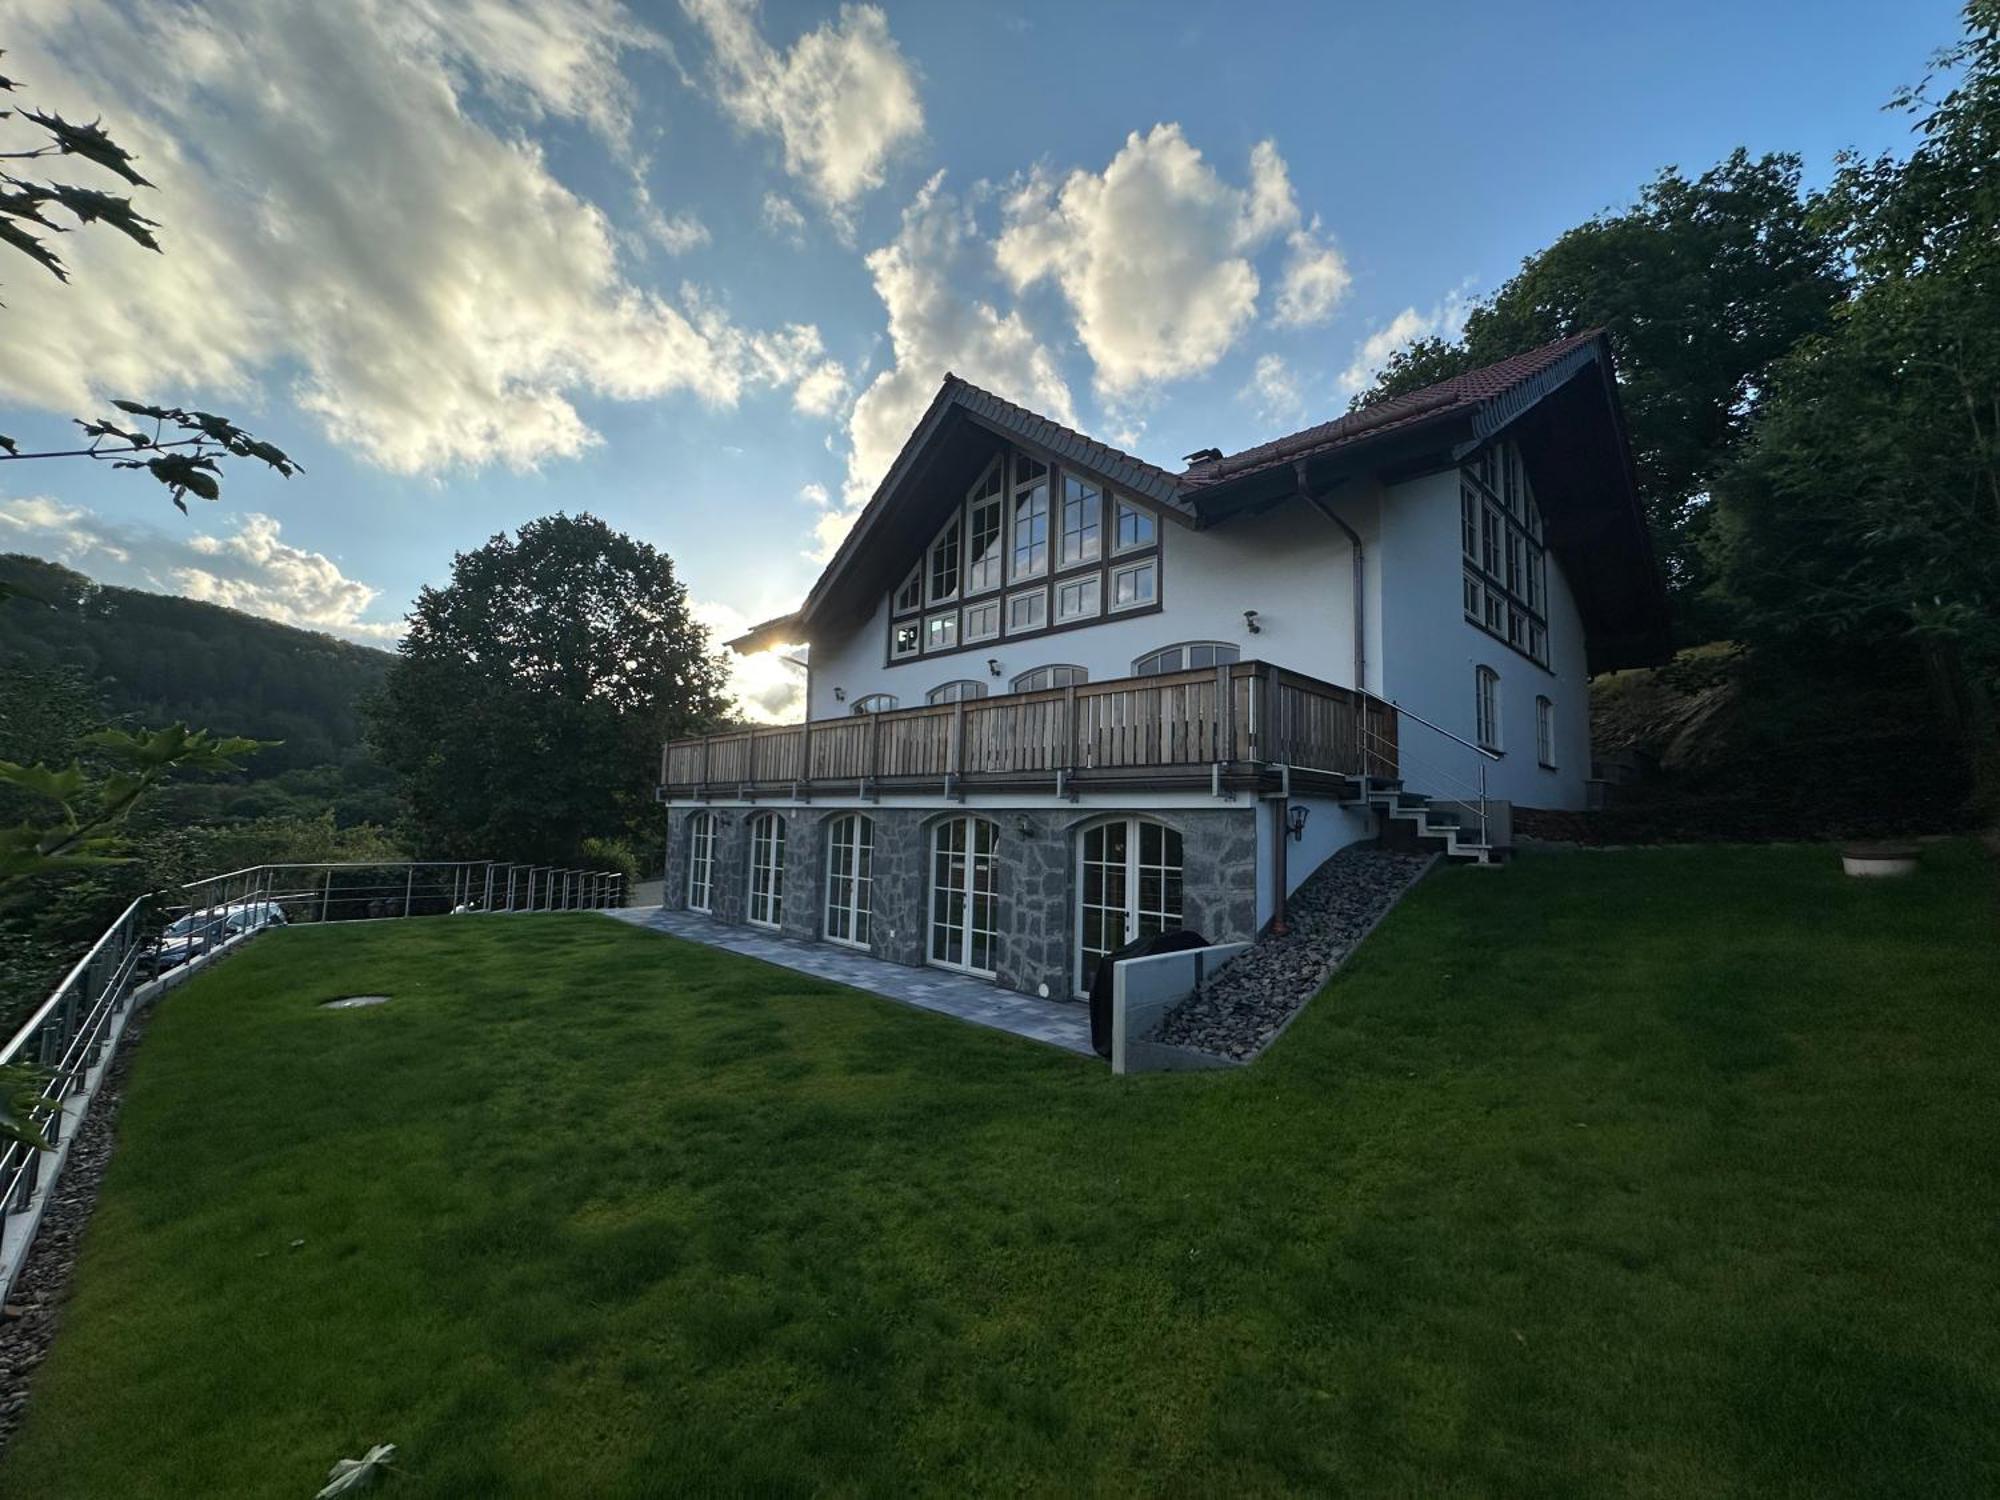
(1179, 940)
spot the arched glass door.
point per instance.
(767, 870)
(850, 873)
(1128, 887)
(964, 913)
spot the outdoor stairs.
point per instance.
(1446, 829)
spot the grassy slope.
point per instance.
(1664, 1172)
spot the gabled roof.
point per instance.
(1437, 426)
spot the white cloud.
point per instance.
(1444, 320)
(251, 568)
(1274, 389)
(936, 324)
(765, 687)
(332, 207)
(840, 102)
(1154, 255)
(674, 233)
(782, 218)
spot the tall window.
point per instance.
(701, 862)
(962, 691)
(1129, 886)
(850, 878)
(1185, 658)
(1545, 732)
(944, 563)
(1486, 706)
(982, 529)
(964, 926)
(1031, 517)
(767, 870)
(1506, 566)
(1082, 521)
(1036, 678)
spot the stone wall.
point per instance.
(1034, 876)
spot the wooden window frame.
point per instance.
(1020, 683)
(1502, 551)
(859, 906)
(774, 892)
(1545, 732)
(934, 696)
(701, 858)
(1487, 729)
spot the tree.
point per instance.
(1701, 285)
(183, 449)
(1864, 512)
(532, 694)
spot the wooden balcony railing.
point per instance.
(1240, 721)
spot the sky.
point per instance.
(697, 267)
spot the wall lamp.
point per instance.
(1295, 820)
(840, 695)
(1250, 622)
(1023, 827)
(993, 665)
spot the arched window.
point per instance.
(767, 870)
(1486, 707)
(701, 862)
(964, 925)
(875, 703)
(1128, 887)
(960, 691)
(1545, 732)
(1037, 678)
(1185, 657)
(850, 878)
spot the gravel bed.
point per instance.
(1237, 1015)
(28, 1320)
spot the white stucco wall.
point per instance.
(1291, 565)
(1431, 654)
(1330, 827)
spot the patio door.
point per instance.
(1128, 887)
(964, 923)
(850, 876)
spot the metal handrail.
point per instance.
(1479, 789)
(1411, 713)
(74, 1034)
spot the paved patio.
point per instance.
(1055, 1022)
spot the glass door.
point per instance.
(964, 912)
(1128, 887)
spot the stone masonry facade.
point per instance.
(1035, 878)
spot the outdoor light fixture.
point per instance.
(1023, 827)
(1295, 819)
(1250, 620)
(993, 665)
(840, 695)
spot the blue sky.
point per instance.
(695, 267)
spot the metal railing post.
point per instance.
(1482, 806)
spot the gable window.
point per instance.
(1486, 707)
(767, 870)
(1079, 598)
(941, 631)
(982, 532)
(1031, 517)
(910, 597)
(1135, 585)
(1029, 611)
(1135, 528)
(982, 621)
(1506, 566)
(701, 862)
(1545, 733)
(905, 639)
(1037, 678)
(944, 564)
(875, 703)
(964, 690)
(1082, 522)
(850, 878)
(1185, 657)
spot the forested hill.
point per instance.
(159, 659)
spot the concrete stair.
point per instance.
(1445, 829)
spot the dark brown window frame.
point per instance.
(1534, 551)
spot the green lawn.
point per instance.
(1667, 1172)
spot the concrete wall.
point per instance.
(1035, 879)
(1144, 991)
(1291, 565)
(1431, 653)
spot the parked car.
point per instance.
(190, 936)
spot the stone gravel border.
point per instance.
(28, 1322)
(1248, 1006)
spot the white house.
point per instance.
(1059, 697)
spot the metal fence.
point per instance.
(161, 938)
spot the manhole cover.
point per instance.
(353, 1002)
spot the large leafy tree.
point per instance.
(1701, 284)
(1864, 513)
(527, 708)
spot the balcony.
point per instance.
(1248, 726)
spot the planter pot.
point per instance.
(1875, 860)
